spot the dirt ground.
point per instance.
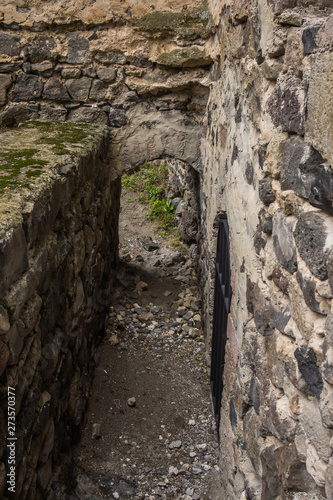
(150, 432)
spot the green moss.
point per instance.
(60, 135)
(14, 165)
(36, 145)
(190, 25)
(185, 58)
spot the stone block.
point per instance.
(98, 91)
(310, 237)
(291, 18)
(13, 257)
(309, 36)
(303, 170)
(48, 442)
(294, 52)
(43, 48)
(79, 88)
(110, 57)
(308, 287)
(262, 312)
(78, 49)
(325, 34)
(53, 113)
(27, 88)
(107, 75)
(117, 118)
(279, 6)
(71, 73)
(308, 366)
(286, 105)
(4, 356)
(283, 242)
(15, 114)
(44, 475)
(9, 44)
(318, 127)
(266, 194)
(44, 69)
(271, 68)
(5, 83)
(55, 91)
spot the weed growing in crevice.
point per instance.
(150, 183)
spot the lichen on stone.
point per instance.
(190, 25)
(190, 57)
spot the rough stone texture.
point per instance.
(283, 242)
(287, 103)
(79, 88)
(5, 82)
(78, 49)
(9, 44)
(42, 49)
(304, 171)
(145, 73)
(55, 288)
(320, 109)
(257, 167)
(310, 236)
(55, 91)
(27, 88)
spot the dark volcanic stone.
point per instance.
(255, 395)
(117, 118)
(111, 57)
(51, 113)
(42, 49)
(283, 242)
(55, 91)
(307, 364)
(9, 44)
(13, 258)
(27, 88)
(310, 236)
(309, 39)
(266, 193)
(308, 288)
(232, 414)
(286, 105)
(89, 115)
(281, 318)
(78, 49)
(13, 115)
(304, 172)
(98, 90)
(249, 173)
(79, 88)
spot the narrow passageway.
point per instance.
(149, 430)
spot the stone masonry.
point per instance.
(237, 95)
(58, 253)
(267, 167)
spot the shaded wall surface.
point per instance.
(267, 167)
(59, 213)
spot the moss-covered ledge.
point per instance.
(59, 207)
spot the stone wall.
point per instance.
(267, 166)
(141, 71)
(58, 221)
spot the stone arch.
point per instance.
(151, 134)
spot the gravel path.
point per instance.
(150, 433)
